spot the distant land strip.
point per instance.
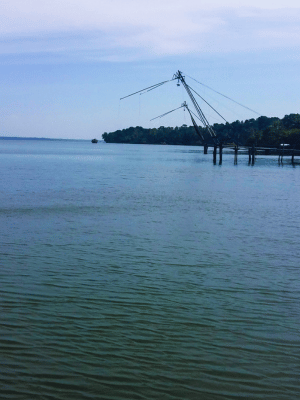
(35, 138)
(263, 131)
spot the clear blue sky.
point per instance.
(65, 64)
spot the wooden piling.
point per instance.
(253, 154)
(221, 152)
(281, 150)
(215, 154)
(205, 148)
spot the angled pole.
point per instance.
(147, 89)
(185, 106)
(200, 113)
(194, 122)
(205, 146)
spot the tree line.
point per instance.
(262, 132)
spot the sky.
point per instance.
(64, 65)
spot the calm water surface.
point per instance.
(147, 272)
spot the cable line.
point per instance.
(221, 94)
(208, 104)
(149, 90)
(162, 115)
(149, 87)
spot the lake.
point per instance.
(147, 272)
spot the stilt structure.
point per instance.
(200, 114)
(208, 135)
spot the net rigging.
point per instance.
(210, 136)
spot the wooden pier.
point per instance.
(282, 152)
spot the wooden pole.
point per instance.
(205, 148)
(215, 154)
(221, 152)
(281, 154)
(253, 155)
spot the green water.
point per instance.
(147, 272)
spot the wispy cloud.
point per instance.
(118, 30)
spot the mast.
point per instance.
(198, 131)
(200, 113)
(194, 122)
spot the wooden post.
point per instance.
(280, 159)
(253, 154)
(215, 154)
(221, 152)
(205, 148)
(235, 155)
(249, 152)
(293, 155)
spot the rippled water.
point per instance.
(147, 272)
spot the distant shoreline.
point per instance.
(35, 138)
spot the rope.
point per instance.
(149, 87)
(208, 104)
(162, 115)
(221, 94)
